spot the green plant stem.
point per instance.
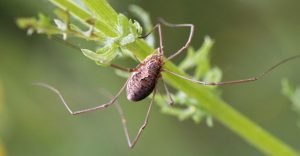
(223, 112)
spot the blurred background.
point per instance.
(250, 37)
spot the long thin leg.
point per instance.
(84, 110)
(158, 27)
(251, 79)
(187, 42)
(122, 68)
(131, 143)
(171, 101)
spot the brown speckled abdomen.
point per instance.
(143, 80)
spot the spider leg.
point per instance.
(84, 110)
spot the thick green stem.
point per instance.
(223, 112)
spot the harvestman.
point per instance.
(143, 79)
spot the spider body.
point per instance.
(144, 78)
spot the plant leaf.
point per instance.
(102, 11)
(188, 62)
(292, 93)
(201, 58)
(144, 17)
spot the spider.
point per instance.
(143, 80)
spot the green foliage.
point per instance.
(126, 31)
(293, 94)
(199, 60)
(145, 19)
(38, 25)
(116, 34)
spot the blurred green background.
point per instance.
(250, 35)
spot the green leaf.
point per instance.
(201, 58)
(292, 93)
(62, 15)
(84, 17)
(186, 110)
(102, 56)
(213, 75)
(187, 113)
(90, 54)
(61, 25)
(188, 62)
(287, 88)
(128, 30)
(209, 121)
(44, 21)
(41, 25)
(145, 19)
(128, 33)
(103, 12)
(27, 23)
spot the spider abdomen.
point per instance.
(143, 80)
